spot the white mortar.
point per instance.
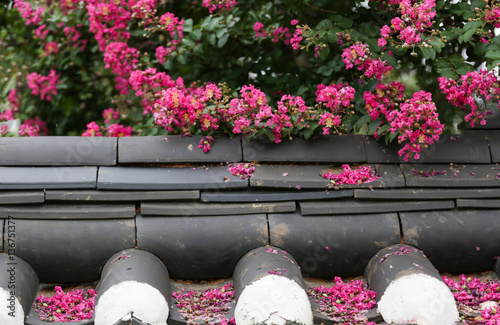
(418, 298)
(273, 300)
(127, 297)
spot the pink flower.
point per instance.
(33, 128)
(51, 48)
(31, 16)
(109, 115)
(385, 31)
(294, 22)
(223, 5)
(382, 42)
(14, 99)
(46, 86)
(93, 130)
(41, 32)
(118, 130)
(259, 29)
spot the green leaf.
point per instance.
(269, 134)
(384, 128)
(308, 132)
(344, 22)
(472, 25)
(467, 36)
(222, 41)
(324, 24)
(196, 34)
(220, 32)
(493, 54)
(365, 119)
(188, 25)
(463, 68)
(428, 53)
(437, 45)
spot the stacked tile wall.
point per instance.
(97, 196)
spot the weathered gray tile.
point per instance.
(469, 147)
(47, 177)
(309, 177)
(201, 247)
(131, 196)
(22, 197)
(71, 251)
(262, 195)
(479, 203)
(289, 176)
(213, 209)
(58, 151)
(494, 142)
(426, 194)
(331, 149)
(351, 206)
(456, 241)
(457, 175)
(177, 149)
(167, 178)
(318, 243)
(67, 211)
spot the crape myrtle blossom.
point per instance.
(278, 33)
(471, 293)
(108, 21)
(222, 5)
(417, 122)
(337, 98)
(31, 15)
(33, 128)
(463, 93)
(493, 16)
(349, 176)
(345, 301)
(414, 120)
(122, 59)
(359, 56)
(75, 305)
(45, 86)
(415, 18)
(14, 99)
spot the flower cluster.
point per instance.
(415, 18)
(210, 306)
(108, 21)
(45, 86)
(463, 93)
(243, 170)
(337, 98)
(349, 176)
(223, 5)
(33, 128)
(75, 305)
(471, 294)
(122, 59)
(493, 16)
(417, 122)
(112, 130)
(344, 302)
(31, 15)
(359, 55)
(278, 33)
(384, 100)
